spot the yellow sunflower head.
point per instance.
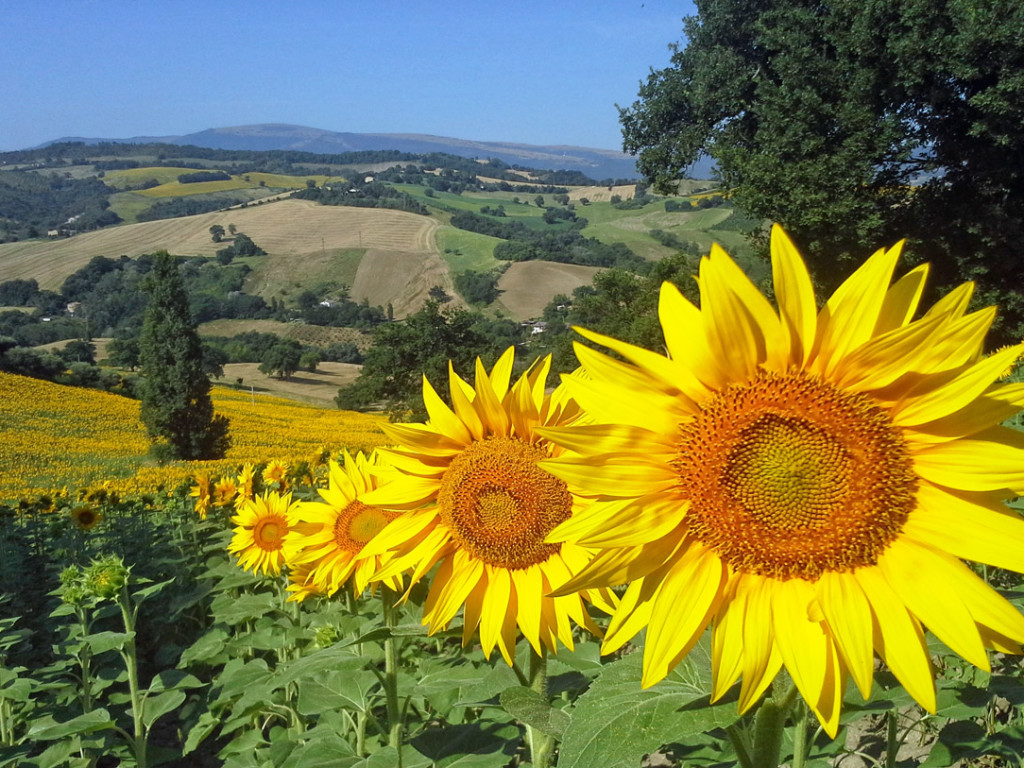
(224, 490)
(245, 482)
(276, 474)
(86, 517)
(261, 527)
(481, 505)
(793, 477)
(329, 536)
(300, 582)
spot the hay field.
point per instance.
(316, 388)
(285, 229)
(530, 285)
(403, 278)
(601, 194)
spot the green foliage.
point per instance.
(283, 359)
(421, 345)
(620, 303)
(200, 176)
(854, 125)
(176, 405)
(478, 287)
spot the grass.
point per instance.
(464, 250)
(177, 189)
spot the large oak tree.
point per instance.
(854, 123)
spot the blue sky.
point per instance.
(532, 72)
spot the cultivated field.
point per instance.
(288, 229)
(316, 388)
(530, 285)
(318, 335)
(402, 278)
(75, 438)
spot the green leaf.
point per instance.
(206, 725)
(155, 707)
(46, 729)
(471, 745)
(101, 642)
(964, 740)
(337, 690)
(206, 648)
(615, 723)
(533, 709)
(334, 658)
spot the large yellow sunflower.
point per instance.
(328, 537)
(481, 507)
(201, 492)
(804, 482)
(261, 527)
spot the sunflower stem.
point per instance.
(799, 735)
(388, 599)
(769, 727)
(130, 657)
(892, 742)
(542, 746)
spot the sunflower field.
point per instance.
(791, 537)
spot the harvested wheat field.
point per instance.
(528, 286)
(286, 228)
(318, 387)
(602, 194)
(403, 278)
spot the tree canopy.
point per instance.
(854, 124)
(176, 405)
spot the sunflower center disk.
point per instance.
(357, 523)
(790, 477)
(268, 533)
(499, 505)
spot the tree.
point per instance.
(282, 359)
(217, 233)
(175, 391)
(404, 352)
(854, 124)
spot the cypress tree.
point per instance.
(176, 405)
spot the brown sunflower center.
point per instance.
(269, 533)
(789, 477)
(357, 523)
(499, 505)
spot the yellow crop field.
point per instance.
(177, 189)
(56, 437)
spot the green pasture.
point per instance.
(464, 250)
(177, 189)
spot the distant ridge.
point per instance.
(596, 163)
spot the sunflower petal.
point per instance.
(972, 465)
(900, 640)
(967, 525)
(906, 566)
(686, 599)
(901, 300)
(848, 614)
(795, 294)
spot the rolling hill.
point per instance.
(596, 163)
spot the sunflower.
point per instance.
(300, 582)
(276, 474)
(201, 492)
(224, 490)
(261, 527)
(329, 536)
(86, 517)
(804, 482)
(481, 507)
(245, 483)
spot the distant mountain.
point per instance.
(595, 163)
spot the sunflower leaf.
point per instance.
(616, 722)
(533, 709)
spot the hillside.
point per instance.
(596, 163)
